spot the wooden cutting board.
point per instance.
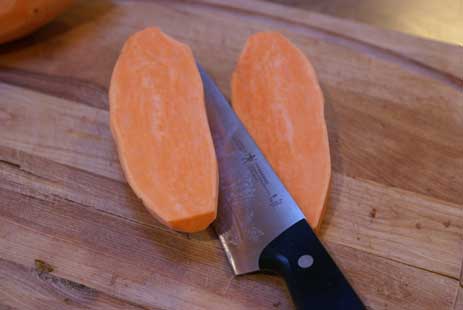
(73, 235)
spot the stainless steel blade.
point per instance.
(254, 206)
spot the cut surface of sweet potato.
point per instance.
(276, 94)
(21, 17)
(159, 122)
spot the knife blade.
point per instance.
(259, 224)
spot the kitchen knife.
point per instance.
(259, 224)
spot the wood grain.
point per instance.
(438, 20)
(60, 130)
(98, 248)
(48, 292)
(71, 88)
(396, 224)
(394, 110)
(102, 250)
(401, 230)
(401, 126)
(372, 276)
(391, 232)
(413, 52)
(459, 300)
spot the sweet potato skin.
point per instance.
(19, 18)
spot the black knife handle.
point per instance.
(313, 279)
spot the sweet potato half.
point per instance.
(159, 122)
(276, 94)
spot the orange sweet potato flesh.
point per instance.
(276, 94)
(159, 122)
(21, 17)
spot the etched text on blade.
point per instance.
(254, 206)
(239, 192)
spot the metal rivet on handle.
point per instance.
(305, 261)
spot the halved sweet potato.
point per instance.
(276, 94)
(158, 120)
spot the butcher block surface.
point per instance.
(74, 236)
